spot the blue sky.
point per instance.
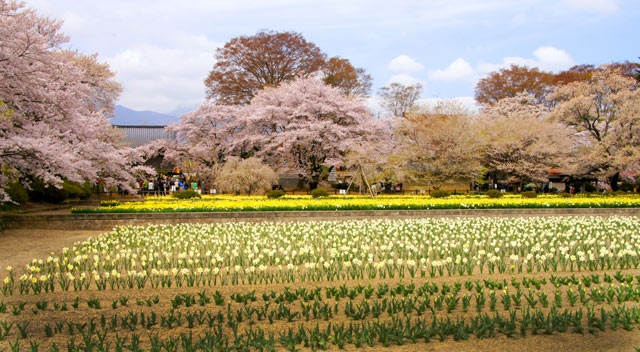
(163, 50)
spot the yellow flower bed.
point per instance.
(261, 203)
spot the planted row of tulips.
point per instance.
(586, 290)
(329, 317)
(325, 285)
(193, 255)
(359, 334)
(590, 289)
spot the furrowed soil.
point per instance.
(19, 247)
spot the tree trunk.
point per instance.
(613, 181)
(313, 185)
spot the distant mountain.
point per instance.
(126, 116)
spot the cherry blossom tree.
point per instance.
(604, 114)
(302, 126)
(202, 138)
(439, 145)
(373, 162)
(522, 142)
(99, 77)
(53, 124)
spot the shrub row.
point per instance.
(276, 193)
(40, 192)
(318, 193)
(186, 194)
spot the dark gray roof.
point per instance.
(137, 135)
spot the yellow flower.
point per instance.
(219, 203)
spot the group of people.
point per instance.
(164, 185)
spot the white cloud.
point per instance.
(553, 59)
(165, 78)
(607, 6)
(405, 79)
(405, 64)
(458, 70)
(547, 58)
(485, 67)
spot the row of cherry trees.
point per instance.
(593, 129)
(53, 107)
(587, 128)
(579, 121)
(54, 103)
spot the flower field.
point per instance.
(291, 203)
(325, 285)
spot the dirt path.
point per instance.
(19, 247)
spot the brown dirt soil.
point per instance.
(21, 246)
